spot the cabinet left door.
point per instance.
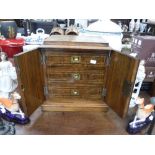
(30, 79)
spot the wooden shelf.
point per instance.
(74, 105)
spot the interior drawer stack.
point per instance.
(75, 75)
(75, 80)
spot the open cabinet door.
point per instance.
(121, 74)
(30, 78)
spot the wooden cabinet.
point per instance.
(75, 73)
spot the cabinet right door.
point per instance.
(121, 74)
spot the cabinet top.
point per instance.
(77, 42)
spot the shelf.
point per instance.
(74, 105)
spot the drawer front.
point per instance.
(88, 92)
(74, 76)
(77, 60)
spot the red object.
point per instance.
(12, 46)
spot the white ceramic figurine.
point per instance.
(8, 76)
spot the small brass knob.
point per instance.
(74, 92)
(76, 76)
(75, 59)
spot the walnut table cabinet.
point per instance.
(75, 73)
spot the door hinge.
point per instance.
(45, 90)
(108, 59)
(127, 88)
(104, 92)
(43, 58)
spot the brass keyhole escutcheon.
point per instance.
(22, 88)
(75, 59)
(76, 76)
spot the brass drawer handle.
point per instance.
(74, 92)
(75, 59)
(76, 76)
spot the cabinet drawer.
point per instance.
(75, 76)
(88, 92)
(75, 60)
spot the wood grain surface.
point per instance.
(31, 80)
(122, 69)
(74, 105)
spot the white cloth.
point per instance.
(108, 30)
(8, 77)
(104, 25)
